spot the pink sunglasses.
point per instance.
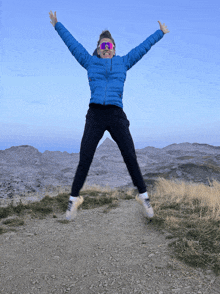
(102, 46)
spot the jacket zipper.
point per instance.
(106, 85)
(106, 76)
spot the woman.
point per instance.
(106, 80)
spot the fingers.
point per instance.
(51, 13)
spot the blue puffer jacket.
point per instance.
(106, 76)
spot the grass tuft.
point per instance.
(190, 213)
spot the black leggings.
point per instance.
(113, 119)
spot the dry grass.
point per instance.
(189, 212)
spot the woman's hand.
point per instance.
(163, 28)
(53, 18)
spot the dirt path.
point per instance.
(115, 252)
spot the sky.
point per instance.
(170, 96)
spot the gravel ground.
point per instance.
(115, 252)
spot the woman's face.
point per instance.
(106, 53)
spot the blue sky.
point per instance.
(170, 96)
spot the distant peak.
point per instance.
(108, 141)
(21, 148)
(107, 144)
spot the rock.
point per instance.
(27, 172)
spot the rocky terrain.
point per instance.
(25, 172)
(116, 252)
(97, 253)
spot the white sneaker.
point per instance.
(73, 206)
(146, 203)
